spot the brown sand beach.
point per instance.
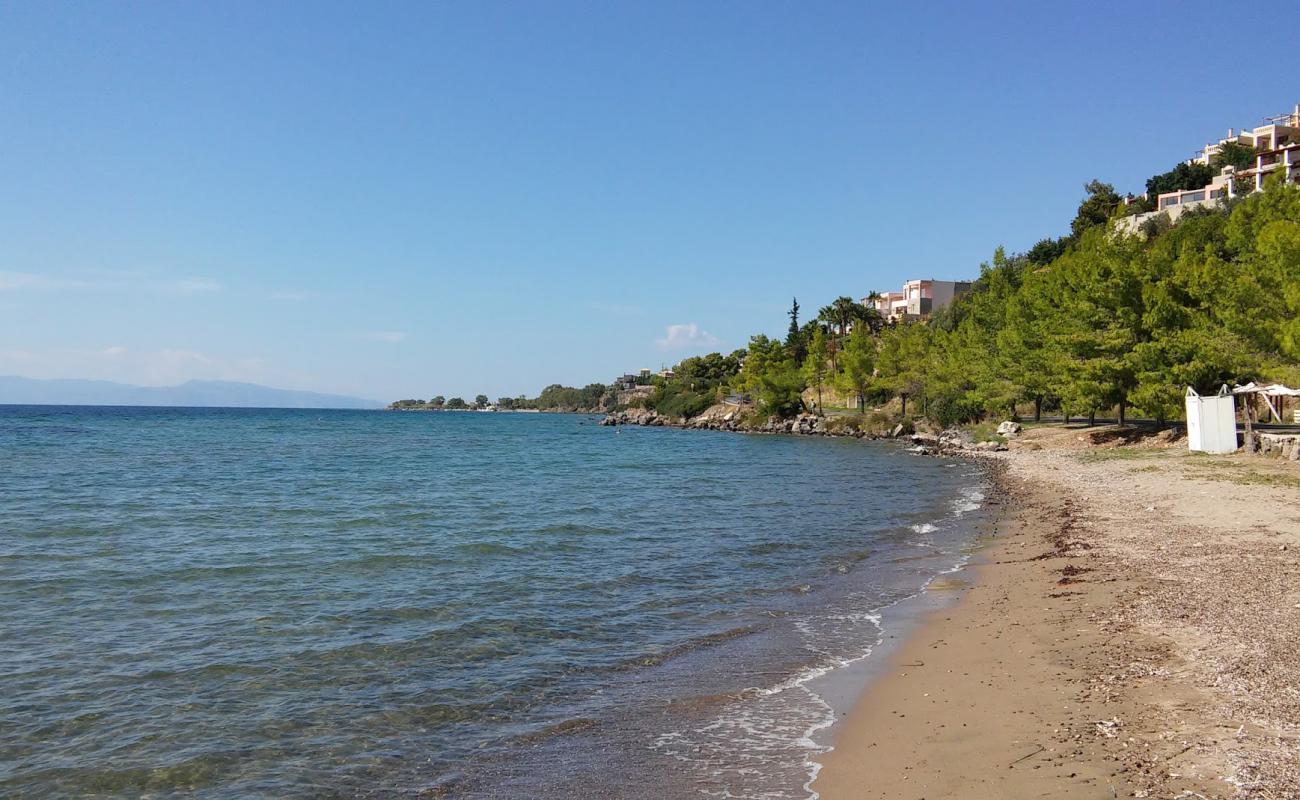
(1133, 630)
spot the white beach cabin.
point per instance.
(1211, 422)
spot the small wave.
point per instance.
(580, 530)
(708, 640)
(770, 730)
(489, 549)
(763, 548)
(970, 499)
(564, 728)
(383, 561)
(924, 527)
(783, 720)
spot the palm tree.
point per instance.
(829, 319)
(843, 309)
(826, 314)
(867, 314)
(873, 317)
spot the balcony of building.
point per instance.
(1285, 158)
(1171, 199)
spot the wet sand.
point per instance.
(1130, 632)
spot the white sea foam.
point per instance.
(969, 499)
(772, 733)
(774, 730)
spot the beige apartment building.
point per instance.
(1276, 144)
(1277, 149)
(918, 300)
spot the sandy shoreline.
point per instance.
(1132, 631)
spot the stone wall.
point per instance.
(1278, 445)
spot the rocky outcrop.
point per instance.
(727, 417)
(721, 417)
(635, 416)
(952, 441)
(1278, 445)
(633, 395)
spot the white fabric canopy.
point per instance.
(1271, 390)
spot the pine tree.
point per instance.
(858, 364)
(814, 368)
(795, 341)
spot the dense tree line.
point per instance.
(1093, 322)
(1117, 321)
(594, 396)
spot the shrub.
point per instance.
(674, 400)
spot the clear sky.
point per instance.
(401, 200)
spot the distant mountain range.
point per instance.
(226, 394)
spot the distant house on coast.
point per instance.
(918, 300)
(643, 378)
(631, 379)
(1276, 146)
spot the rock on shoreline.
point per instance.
(722, 419)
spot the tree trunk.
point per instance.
(1248, 409)
(1123, 406)
(1038, 408)
(904, 404)
(1092, 418)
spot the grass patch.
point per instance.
(1117, 454)
(986, 432)
(1147, 468)
(846, 423)
(1243, 474)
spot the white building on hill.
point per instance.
(1277, 149)
(918, 300)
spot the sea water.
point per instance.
(222, 603)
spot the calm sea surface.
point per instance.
(217, 603)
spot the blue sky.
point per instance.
(400, 199)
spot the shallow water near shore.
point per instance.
(262, 603)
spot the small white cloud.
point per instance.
(191, 286)
(685, 335)
(115, 350)
(13, 281)
(392, 337)
(18, 281)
